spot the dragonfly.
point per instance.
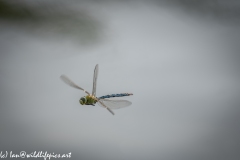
(103, 101)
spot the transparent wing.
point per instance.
(104, 106)
(95, 75)
(115, 104)
(71, 83)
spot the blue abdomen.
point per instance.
(115, 95)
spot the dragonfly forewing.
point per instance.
(104, 106)
(95, 75)
(71, 83)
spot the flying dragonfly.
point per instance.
(91, 99)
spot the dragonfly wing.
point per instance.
(71, 83)
(115, 104)
(95, 75)
(104, 106)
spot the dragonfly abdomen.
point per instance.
(115, 95)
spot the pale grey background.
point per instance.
(179, 58)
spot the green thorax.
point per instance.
(88, 100)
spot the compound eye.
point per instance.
(83, 101)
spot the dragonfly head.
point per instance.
(83, 100)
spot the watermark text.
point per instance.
(35, 154)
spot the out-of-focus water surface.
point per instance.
(179, 58)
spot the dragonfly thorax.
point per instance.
(88, 100)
